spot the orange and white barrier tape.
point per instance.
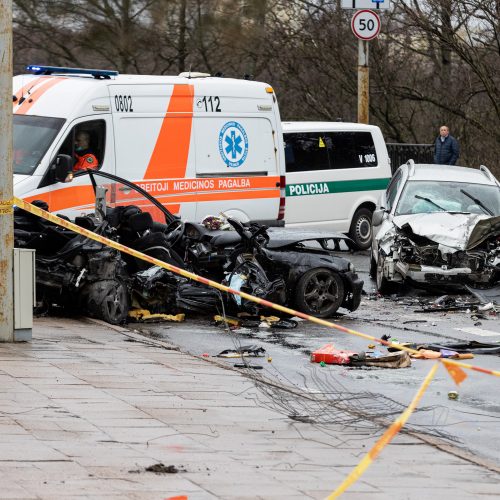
(385, 439)
(182, 272)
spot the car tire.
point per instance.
(384, 286)
(108, 300)
(319, 292)
(361, 228)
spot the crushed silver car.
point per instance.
(437, 225)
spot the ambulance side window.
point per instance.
(85, 144)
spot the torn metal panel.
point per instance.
(451, 231)
(437, 249)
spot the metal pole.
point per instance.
(6, 180)
(363, 82)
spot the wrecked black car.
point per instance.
(77, 273)
(438, 225)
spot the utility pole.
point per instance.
(6, 179)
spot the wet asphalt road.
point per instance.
(473, 420)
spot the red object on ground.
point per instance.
(331, 356)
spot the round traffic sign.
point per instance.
(365, 24)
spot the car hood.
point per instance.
(283, 237)
(452, 231)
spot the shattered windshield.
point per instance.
(32, 137)
(432, 196)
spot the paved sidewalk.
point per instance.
(85, 409)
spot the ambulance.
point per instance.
(200, 145)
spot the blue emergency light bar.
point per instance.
(49, 70)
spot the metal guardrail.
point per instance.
(400, 153)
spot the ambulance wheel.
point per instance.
(361, 228)
(320, 292)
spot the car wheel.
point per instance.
(384, 286)
(108, 300)
(320, 292)
(361, 228)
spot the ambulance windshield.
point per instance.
(33, 135)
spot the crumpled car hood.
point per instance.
(452, 231)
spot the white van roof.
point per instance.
(60, 95)
(326, 127)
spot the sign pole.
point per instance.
(363, 82)
(6, 179)
(365, 25)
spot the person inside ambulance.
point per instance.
(84, 157)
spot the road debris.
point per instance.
(328, 354)
(160, 468)
(143, 315)
(243, 351)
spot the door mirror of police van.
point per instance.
(63, 167)
(378, 217)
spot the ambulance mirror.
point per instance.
(63, 166)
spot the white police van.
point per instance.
(335, 173)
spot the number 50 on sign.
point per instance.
(365, 24)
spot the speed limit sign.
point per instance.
(365, 24)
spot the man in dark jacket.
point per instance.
(446, 149)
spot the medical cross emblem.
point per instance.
(233, 144)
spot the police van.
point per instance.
(201, 145)
(335, 173)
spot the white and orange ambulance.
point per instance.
(199, 144)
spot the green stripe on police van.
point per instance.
(310, 188)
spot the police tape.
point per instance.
(386, 438)
(454, 367)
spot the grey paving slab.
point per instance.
(84, 411)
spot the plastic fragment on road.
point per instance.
(442, 353)
(146, 316)
(249, 350)
(331, 356)
(248, 321)
(244, 365)
(228, 320)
